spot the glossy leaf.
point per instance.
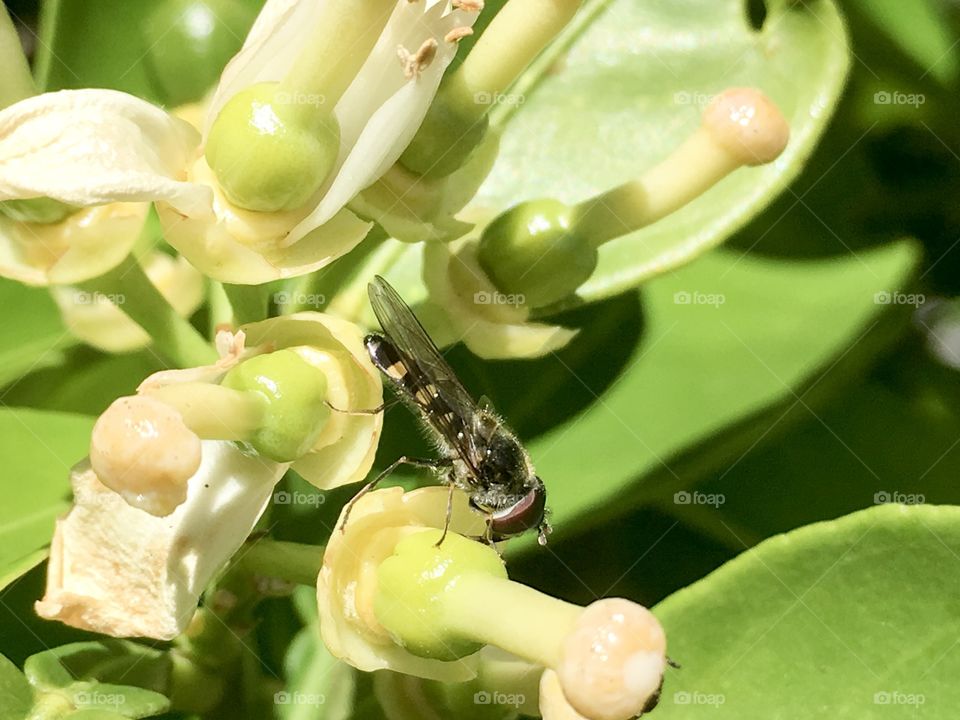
(38, 449)
(16, 697)
(31, 338)
(727, 345)
(618, 102)
(837, 619)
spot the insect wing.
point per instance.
(453, 414)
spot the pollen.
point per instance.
(416, 63)
(468, 5)
(458, 34)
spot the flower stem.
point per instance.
(294, 562)
(534, 627)
(16, 82)
(249, 302)
(173, 336)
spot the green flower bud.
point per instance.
(271, 150)
(449, 134)
(532, 250)
(294, 392)
(190, 41)
(45, 211)
(413, 583)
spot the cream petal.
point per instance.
(119, 571)
(88, 147)
(382, 109)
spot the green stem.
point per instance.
(173, 336)
(294, 562)
(16, 82)
(221, 313)
(249, 302)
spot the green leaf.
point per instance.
(38, 450)
(319, 686)
(618, 102)
(836, 619)
(32, 337)
(16, 697)
(920, 29)
(106, 661)
(706, 381)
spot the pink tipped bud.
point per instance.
(612, 662)
(141, 449)
(747, 124)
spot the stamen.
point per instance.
(457, 34)
(468, 5)
(416, 63)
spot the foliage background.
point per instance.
(815, 389)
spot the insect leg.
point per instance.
(446, 523)
(402, 460)
(363, 411)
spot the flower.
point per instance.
(179, 473)
(92, 147)
(394, 592)
(493, 324)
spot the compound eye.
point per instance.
(523, 515)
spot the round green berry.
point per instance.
(449, 134)
(531, 251)
(293, 391)
(412, 583)
(271, 150)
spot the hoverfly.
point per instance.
(478, 453)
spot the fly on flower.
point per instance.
(478, 453)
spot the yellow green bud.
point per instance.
(271, 150)
(294, 392)
(533, 251)
(413, 585)
(45, 211)
(449, 134)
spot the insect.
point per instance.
(478, 453)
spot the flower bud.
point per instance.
(294, 394)
(141, 449)
(412, 582)
(612, 662)
(190, 41)
(270, 153)
(450, 133)
(531, 250)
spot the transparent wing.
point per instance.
(452, 411)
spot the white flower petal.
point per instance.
(382, 109)
(88, 147)
(117, 570)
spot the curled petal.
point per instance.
(347, 581)
(492, 325)
(345, 450)
(97, 321)
(117, 570)
(239, 246)
(89, 147)
(82, 246)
